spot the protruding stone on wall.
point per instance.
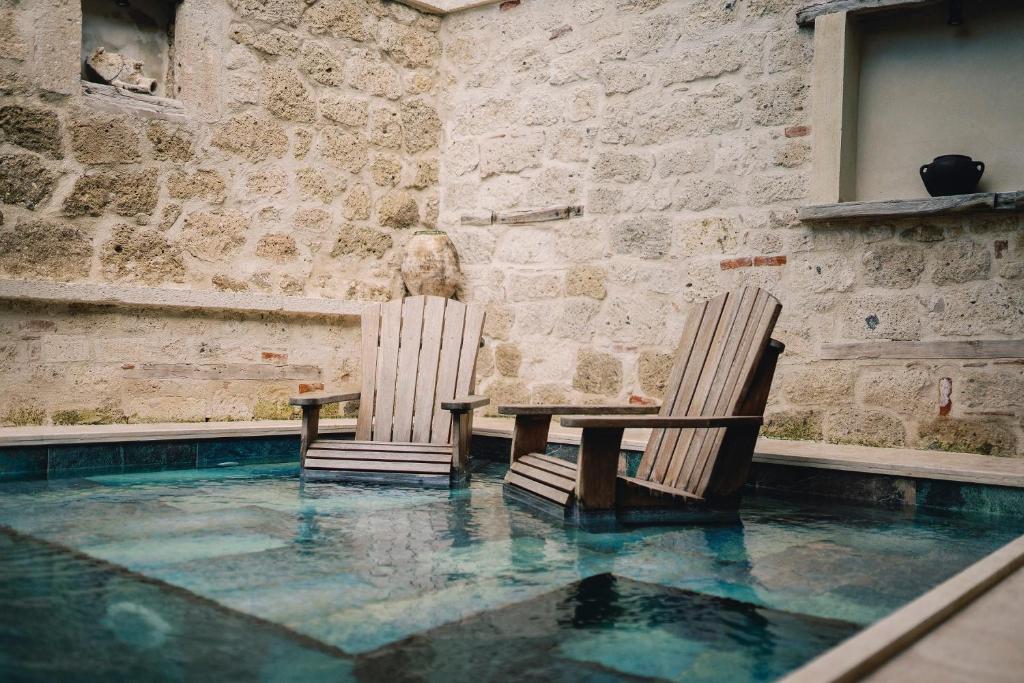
(25, 180)
(33, 128)
(362, 242)
(45, 249)
(348, 149)
(204, 184)
(170, 141)
(138, 255)
(277, 247)
(105, 138)
(398, 209)
(985, 436)
(864, 428)
(340, 18)
(597, 373)
(126, 193)
(252, 137)
(214, 236)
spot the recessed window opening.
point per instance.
(129, 44)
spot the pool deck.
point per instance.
(970, 628)
(898, 462)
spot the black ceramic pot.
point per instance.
(952, 174)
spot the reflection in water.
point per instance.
(447, 585)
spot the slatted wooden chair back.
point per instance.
(722, 344)
(416, 353)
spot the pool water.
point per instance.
(244, 573)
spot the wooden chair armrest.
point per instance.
(659, 422)
(464, 404)
(321, 398)
(577, 410)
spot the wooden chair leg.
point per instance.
(530, 435)
(310, 431)
(462, 433)
(597, 468)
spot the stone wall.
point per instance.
(302, 153)
(313, 136)
(683, 128)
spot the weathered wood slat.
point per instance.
(426, 377)
(895, 208)
(380, 446)
(387, 370)
(807, 14)
(378, 466)
(370, 326)
(544, 476)
(553, 465)
(408, 361)
(691, 327)
(409, 456)
(112, 98)
(447, 370)
(558, 213)
(542, 490)
(739, 308)
(1009, 201)
(465, 381)
(691, 375)
(756, 342)
(577, 410)
(660, 488)
(530, 435)
(982, 348)
(722, 398)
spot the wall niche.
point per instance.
(894, 89)
(137, 41)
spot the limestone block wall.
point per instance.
(683, 128)
(299, 156)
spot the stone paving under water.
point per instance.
(364, 582)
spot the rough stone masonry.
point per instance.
(682, 127)
(316, 135)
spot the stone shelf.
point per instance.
(806, 15)
(176, 299)
(980, 202)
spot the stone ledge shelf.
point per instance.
(981, 202)
(112, 98)
(447, 6)
(174, 299)
(806, 15)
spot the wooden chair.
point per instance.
(415, 402)
(703, 437)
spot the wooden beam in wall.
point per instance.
(938, 350)
(805, 16)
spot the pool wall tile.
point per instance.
(23, 462)
(160, 454)
(41, 462)
(221, 452)
(77, 458)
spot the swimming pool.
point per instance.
(243, 573)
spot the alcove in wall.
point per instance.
(141, 30)
(893, 89)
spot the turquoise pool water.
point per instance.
(243, 573)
